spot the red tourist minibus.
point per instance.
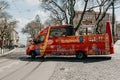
(61, 40)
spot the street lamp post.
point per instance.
(37, 18)
(113, 18)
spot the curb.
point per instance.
(8, 52)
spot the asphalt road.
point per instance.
(18, 66)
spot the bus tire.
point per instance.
(33, 55)
(80, 55)
(43, 57)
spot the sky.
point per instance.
(25, 10)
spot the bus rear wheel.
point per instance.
(80, 55)
(33, 55)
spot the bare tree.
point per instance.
(11, 26)
(3, 22)
(6, 25)
(3, 29)
(103, 6)
(3, 5)
(64, 10)
(32, 28)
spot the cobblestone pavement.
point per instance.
(88, 69)
(91, 68)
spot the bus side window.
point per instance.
(62, 32)
(57, 32)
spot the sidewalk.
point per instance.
(6, 51)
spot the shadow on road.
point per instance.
(67, 59)
(23, 57)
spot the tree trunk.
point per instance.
(82, 15)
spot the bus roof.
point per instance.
(60, 26)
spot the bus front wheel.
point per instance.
(80, 55)
(33, 55)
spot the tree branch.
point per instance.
(54, 3)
